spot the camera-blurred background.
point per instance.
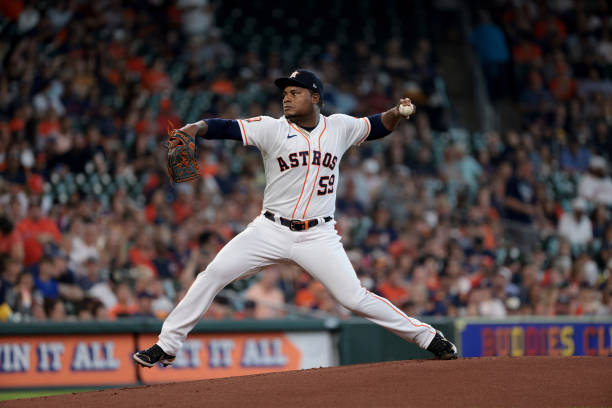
(493, 200)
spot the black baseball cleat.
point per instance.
(152, 356)
(442, 348)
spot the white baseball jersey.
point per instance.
(301, 167)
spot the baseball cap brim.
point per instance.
(282, 83)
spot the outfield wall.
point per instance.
(42, 355)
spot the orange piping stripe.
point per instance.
(246, 141)
(367, 133)
(399, 312)
(307, 170)
(318, 168)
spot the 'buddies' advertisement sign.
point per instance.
(536, 339)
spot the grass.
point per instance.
(11, 395)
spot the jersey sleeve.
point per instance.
(356, 130)
(258, 131)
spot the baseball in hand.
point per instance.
(406, 110)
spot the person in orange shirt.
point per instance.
(394, 288)
(222, 85)
(306, 296)
(11, 9)
(550, 26)
(36, 231)
(143, 252)
(125, 303)
(166, 116)
(155, 78)
(526, 51)
(182, 206)
(563, 87)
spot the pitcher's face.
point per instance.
(298, 101)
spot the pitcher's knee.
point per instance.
(218, 273)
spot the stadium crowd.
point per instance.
(441, 221)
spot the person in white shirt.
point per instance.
(576, 226)
(595, 185)
(268, 298)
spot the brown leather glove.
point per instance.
(182, 162)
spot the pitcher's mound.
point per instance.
(479, 382)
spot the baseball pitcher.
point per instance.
(301, 153)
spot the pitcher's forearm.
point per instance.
(214, 129)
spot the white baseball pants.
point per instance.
(317, 250)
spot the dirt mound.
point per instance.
(478, 382)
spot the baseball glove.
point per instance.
(182, 160)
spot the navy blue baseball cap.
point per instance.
(303, 79)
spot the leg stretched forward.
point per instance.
(333, 269)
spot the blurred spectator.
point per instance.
(36, 231)
(535, 98)
(161, 305)
(596, 185)
(144, 305)
(520, 195)
(28, 19)
(526, 52)
(196, 16)
(142, 252)
(10, 269)
(576, 226)
(94, 285)
(490, 306)
(23, 292)
(11, 243)
(575, 157)
(490, 44)
(550, 27)
(563, 86)
(520, 206)
(394, 288)
(45, 279)
(84, 243)
(90, 275)
(54, 310)
(268, 298)
(125, 302)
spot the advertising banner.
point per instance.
(60, 360)
(230, 354)
(542, 338)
